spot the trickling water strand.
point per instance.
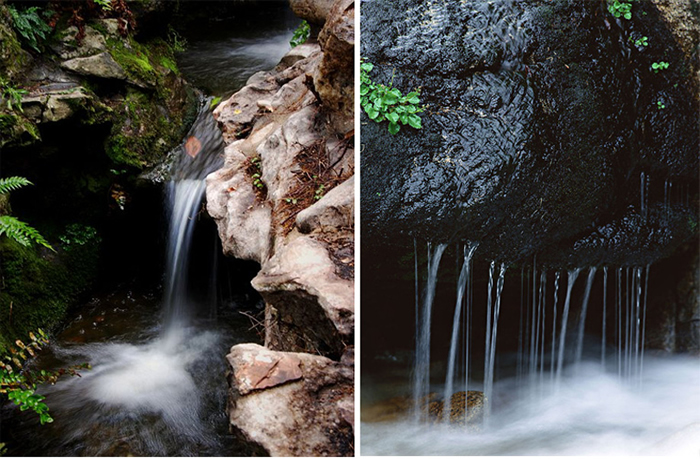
(605, 307)
(565, 316)
(637, 319)
(415, 276)
(584, 308)
(618, 318)
(487, 348)
(520, 328)
(557, 275)
(491, 346)
(643, 196)
(452, 358)
(421, 382)
(644, 322)
(543, 304)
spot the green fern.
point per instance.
(21, 232)
(16, 229)
(8, 184)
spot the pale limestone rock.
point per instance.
(243, 222)
(334, 210)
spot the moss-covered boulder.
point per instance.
(38, 285)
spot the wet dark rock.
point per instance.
(529, 143)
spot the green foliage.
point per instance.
(77, 234)
(656, 66)
(21, 232)
(214, 102)
(29, 24)
(176, 41)
(660, 105)
(14, 228)
(382, 102)
(620, 8)
(644, 41)
(8, 184)
(318, 194)
(20, 383)
(105, 5)
(301, 34)
(11, 95)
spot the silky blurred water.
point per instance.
(592, 413)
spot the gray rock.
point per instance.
(100, 65)
(334, 210)
(53, 105)
(92, 43)
(302, 411)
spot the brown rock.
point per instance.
(260, 368)
(314, 11)
(334, 78)
(307, 416)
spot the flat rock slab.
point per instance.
(260, 368)
(100, 65)
(306, 410)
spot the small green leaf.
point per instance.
(414, 121)
(394, 128)
(392, 117)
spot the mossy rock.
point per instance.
(40, 285)
(13, 58)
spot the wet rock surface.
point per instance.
(540, 120)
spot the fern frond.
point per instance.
(8, 184)
(21, 232)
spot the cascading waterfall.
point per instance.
(421, 377)
(468, 250)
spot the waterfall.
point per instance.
(452, 358)
(582, 321)
(605, 307)
(421, 376)
(491, 334)
(199, 155)
(565, 316)
(557, 275)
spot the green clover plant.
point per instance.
(382, 102)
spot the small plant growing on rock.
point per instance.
(620, 8)
(319, 192)
(301, 34)
(29, 24)
(644, 41)
(382, 102)
(660, 105)
(11, 95)
(656, 66)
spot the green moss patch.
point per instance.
(38, 286)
